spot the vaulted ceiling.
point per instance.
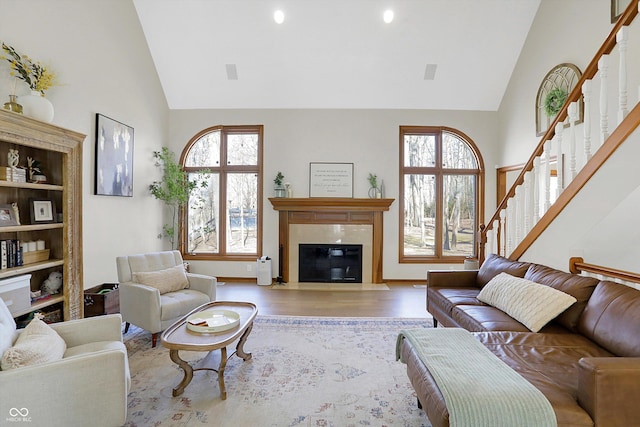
(435, 54)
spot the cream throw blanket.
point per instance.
(478, 388)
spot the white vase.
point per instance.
(37, 107)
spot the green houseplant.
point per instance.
(279, 189)
(173, 189)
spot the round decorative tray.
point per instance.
(211, 321)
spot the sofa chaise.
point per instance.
(586, 361)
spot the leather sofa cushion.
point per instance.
(495, 264)
(550, 363)
(482, 318)
(579, 287)
(612, 319)
(447, 298)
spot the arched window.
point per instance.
(441, 182)
(224, 219)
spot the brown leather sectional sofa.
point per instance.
(586, 361)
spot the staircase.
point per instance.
(533, 217)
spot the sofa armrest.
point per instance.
(608, 389)
(91, 329)
(135, 295)
(84, 390)
(205, 284)
(452, 278)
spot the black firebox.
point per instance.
(330, 263)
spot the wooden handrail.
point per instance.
(609, 44)
(577, 265)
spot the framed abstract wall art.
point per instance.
(114, 158)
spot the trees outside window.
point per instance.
(223, 219)
(441, 177)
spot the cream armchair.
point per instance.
(87, 386)
(144, 305)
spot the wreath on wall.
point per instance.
(554, 101)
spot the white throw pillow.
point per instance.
(37, 344)
(532, 304)
(167, 280)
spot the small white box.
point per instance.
(14, 291)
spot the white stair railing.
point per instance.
(519, 213)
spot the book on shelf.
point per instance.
(11, 254)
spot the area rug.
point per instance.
(313, 286)
(305, 371)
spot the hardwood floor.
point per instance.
(398, 301)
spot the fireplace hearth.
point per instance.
(330, 263)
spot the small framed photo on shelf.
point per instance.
(7, 216)
(42, 211)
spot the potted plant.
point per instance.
(173, 189)
(279, 189)
(374, 191)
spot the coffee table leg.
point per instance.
(223, 364)
(188, 372)
(240, 347)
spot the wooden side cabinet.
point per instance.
(59, 154)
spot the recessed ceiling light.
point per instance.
(278, 16)
(388, 16)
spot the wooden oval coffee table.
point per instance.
(178, 337)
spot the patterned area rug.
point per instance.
(305, 371)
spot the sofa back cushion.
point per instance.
(579, 287)
(142, 263)
(8, 333)
(612, 319)
(495, 264)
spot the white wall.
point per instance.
(567, 31)
(367, 138)
(99, 53)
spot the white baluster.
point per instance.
(536, 190)
(511, 226)
(586, 95)
(573, 116)
(527, 202)
(603, 68)
(559, 165)
(519, 215)
(621, 38)
(503, 233)
(547, 175)
(495, 248)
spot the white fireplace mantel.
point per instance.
(320, 210)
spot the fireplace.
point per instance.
(330, 263)
(331, 221)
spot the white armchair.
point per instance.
(145, 305)
(88, 386)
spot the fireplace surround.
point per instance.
(339, 220)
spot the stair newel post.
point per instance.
(603, 69)
(502, 233)
(622, 37)
(536, 190)
(573, 117)
(586, 96)
(559, 163)
(547, 175)
(528, 202)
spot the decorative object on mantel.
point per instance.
(13, 105)
(174, 189)
(38, 77)
(552, 94)
(374, 191)
(279, 190)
